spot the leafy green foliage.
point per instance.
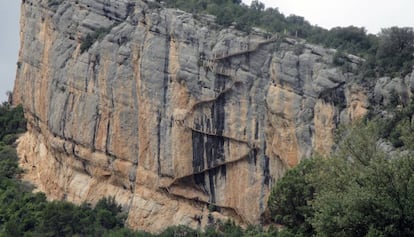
(23, 213)
(350, 39)
(398, 128)
(244, 17)
(360, 191)
(8, 162)
(395, 51)
(289, 199)
(219, 229)
(374, 198)
(391, 52)
(12, 122)
(179, 231)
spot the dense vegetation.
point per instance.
(360, 191)
(12, 122)
(388, 53)
(23, 213)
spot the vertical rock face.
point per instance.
(167, 113)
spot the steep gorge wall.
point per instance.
(167, 113)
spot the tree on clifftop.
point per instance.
(396, 50)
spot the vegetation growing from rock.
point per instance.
(23, 213)
(359, 191)
(388, 53)
(327, 197)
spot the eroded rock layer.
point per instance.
(168, 113)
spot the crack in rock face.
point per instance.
(168, 114)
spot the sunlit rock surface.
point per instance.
(168, 113)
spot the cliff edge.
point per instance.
(181, 121)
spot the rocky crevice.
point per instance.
(168, 114)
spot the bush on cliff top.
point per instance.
(388, 53)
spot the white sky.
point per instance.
(9, 44)
(371, 14)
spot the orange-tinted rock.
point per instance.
(168, 115)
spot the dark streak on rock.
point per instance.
(208, 150)
(208, 125)
(214, 147)
(159, 141)
(224, 170)
(96, 127)
(161, 112)
(198, 152)
(130, 9)
(266, 170)
(199, 180)
(211, 176)
(256, 130)
(218, 114)
(108, 137)
(252, 158)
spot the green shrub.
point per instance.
(181, 230)
(390, 52)
(289, 199)
(12, 121)
(9, 139)
(359, 191)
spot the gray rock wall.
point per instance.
(167, 113)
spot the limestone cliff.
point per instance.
(169, 113)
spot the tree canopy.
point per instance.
(359, 191)
(388, 53)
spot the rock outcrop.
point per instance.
(169, 113)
